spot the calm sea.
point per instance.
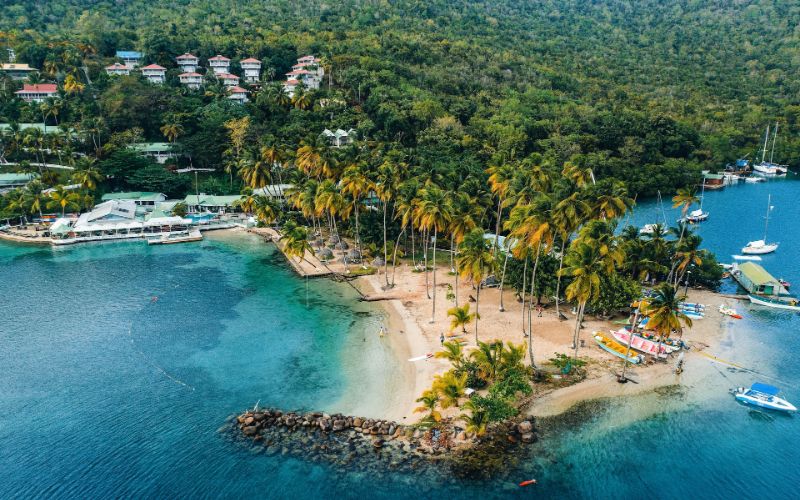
(119, 362)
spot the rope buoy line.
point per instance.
(154, 365)
(715, 359)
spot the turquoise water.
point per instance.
(119, 362)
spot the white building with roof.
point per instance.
(130, 58)
(17, 71)
(188, 62)
(228, 79)
(340, 137)
(155, 73)
(37, 92)
(252, 69)
(219, 64)
(118, 69)
(191, 80)
(237, 94)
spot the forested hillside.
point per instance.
(649, 92)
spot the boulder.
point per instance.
(258, 417)
(358, 422)
(338, 425)
(249, 421)
(528, 437)
(250, 430)
(524, 427)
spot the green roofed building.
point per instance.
(212, 203)
(159, 151)
(141, 198)
(14, 180)
(756, 280)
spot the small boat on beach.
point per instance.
(786, 302)
(727, 311)
(763, 396)
(641, 344)
(609, 344)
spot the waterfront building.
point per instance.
(37, 92)
(14, 180)
(277, 191)
(211, 203)
(130, 58)
(17, 71)
(757, 281)
(188, 62)
(159, 151)
(145, 199)
(118, 69)
(219, 64)
(191, 80)
(252, 70)
(155, 73)
(290, 86)
(237, 94)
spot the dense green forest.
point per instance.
(648, 92)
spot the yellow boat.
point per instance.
(609, 344)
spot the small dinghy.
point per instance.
(610, 345)
(763, 396)
(728, 311)
(641, 344)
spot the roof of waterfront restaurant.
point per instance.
(756, 274)
(135, 195)
(209, 200)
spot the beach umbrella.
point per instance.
(342, 245)
(378, 262)
(325, 254)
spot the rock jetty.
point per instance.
(361, 443)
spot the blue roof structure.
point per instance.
(765, 389)
(130, 54)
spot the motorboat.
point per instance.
(786, 302)
(648, 229)
(761, 247)
(694, 217)
(754, 179)
(641, 344)
(763, 396)
(609, 344)
(729, 311)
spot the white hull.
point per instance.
(776, 304)
(760, 250)
(767, 401)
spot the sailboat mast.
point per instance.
(766, 219)
(774, 138)
(661, 204)
(764, 151)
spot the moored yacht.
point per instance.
(763, 396)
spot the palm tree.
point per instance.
(585, 264)
(60, 197)
(87, 177)
(453, 352)
(296, 244)
(665, 312)
(266, 209)
(477, 420)
(685, 198)
(355, 183)
(429, 400)
(301, 99)
(433, 212)
(450, 388)
(687, 254)
(474, 262)
(255, 174)
(488, 358)
(172, 130)
(386, 186)
(461, 317)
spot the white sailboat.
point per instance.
(760, 247)
(768, 167)
(649, 229)
(698, 215)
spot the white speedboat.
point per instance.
(753, 179)
(786, 302)
(763, 396)
(648, 229)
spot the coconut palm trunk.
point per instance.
(385, 256)
(578, 322)
(477, 305)
(433, 308)
(426, 239)
(628, 350)
(558, 279)
(502, 280)
(530, 308)
(524, 286)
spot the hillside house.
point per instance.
(252, 70)
(228, 79)
(219, 64)
(188, 62)
(155, 74)
(191, 80)
(130, 58)
(118, 69)
(237, 94)
(17, 71)
(37, 92)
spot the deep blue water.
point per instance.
(119, 362)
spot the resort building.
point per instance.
(757, 281)
(219, 64)
(17, 71)
(114, 220)
(37, 92)
(307, 71)
(130, 58)
(228, 79)
(340, 137)
(252, 70)
(290, 86)
(191, 80)
(159, 151)
(14, 180)
(155, 73)
(140, 198)
(277, 191)
(237, 94)
(118, 69)
(210, 203)
(188, 62)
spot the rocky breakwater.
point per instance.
(378, 446)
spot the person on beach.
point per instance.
(539, 309)
(441, 339)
